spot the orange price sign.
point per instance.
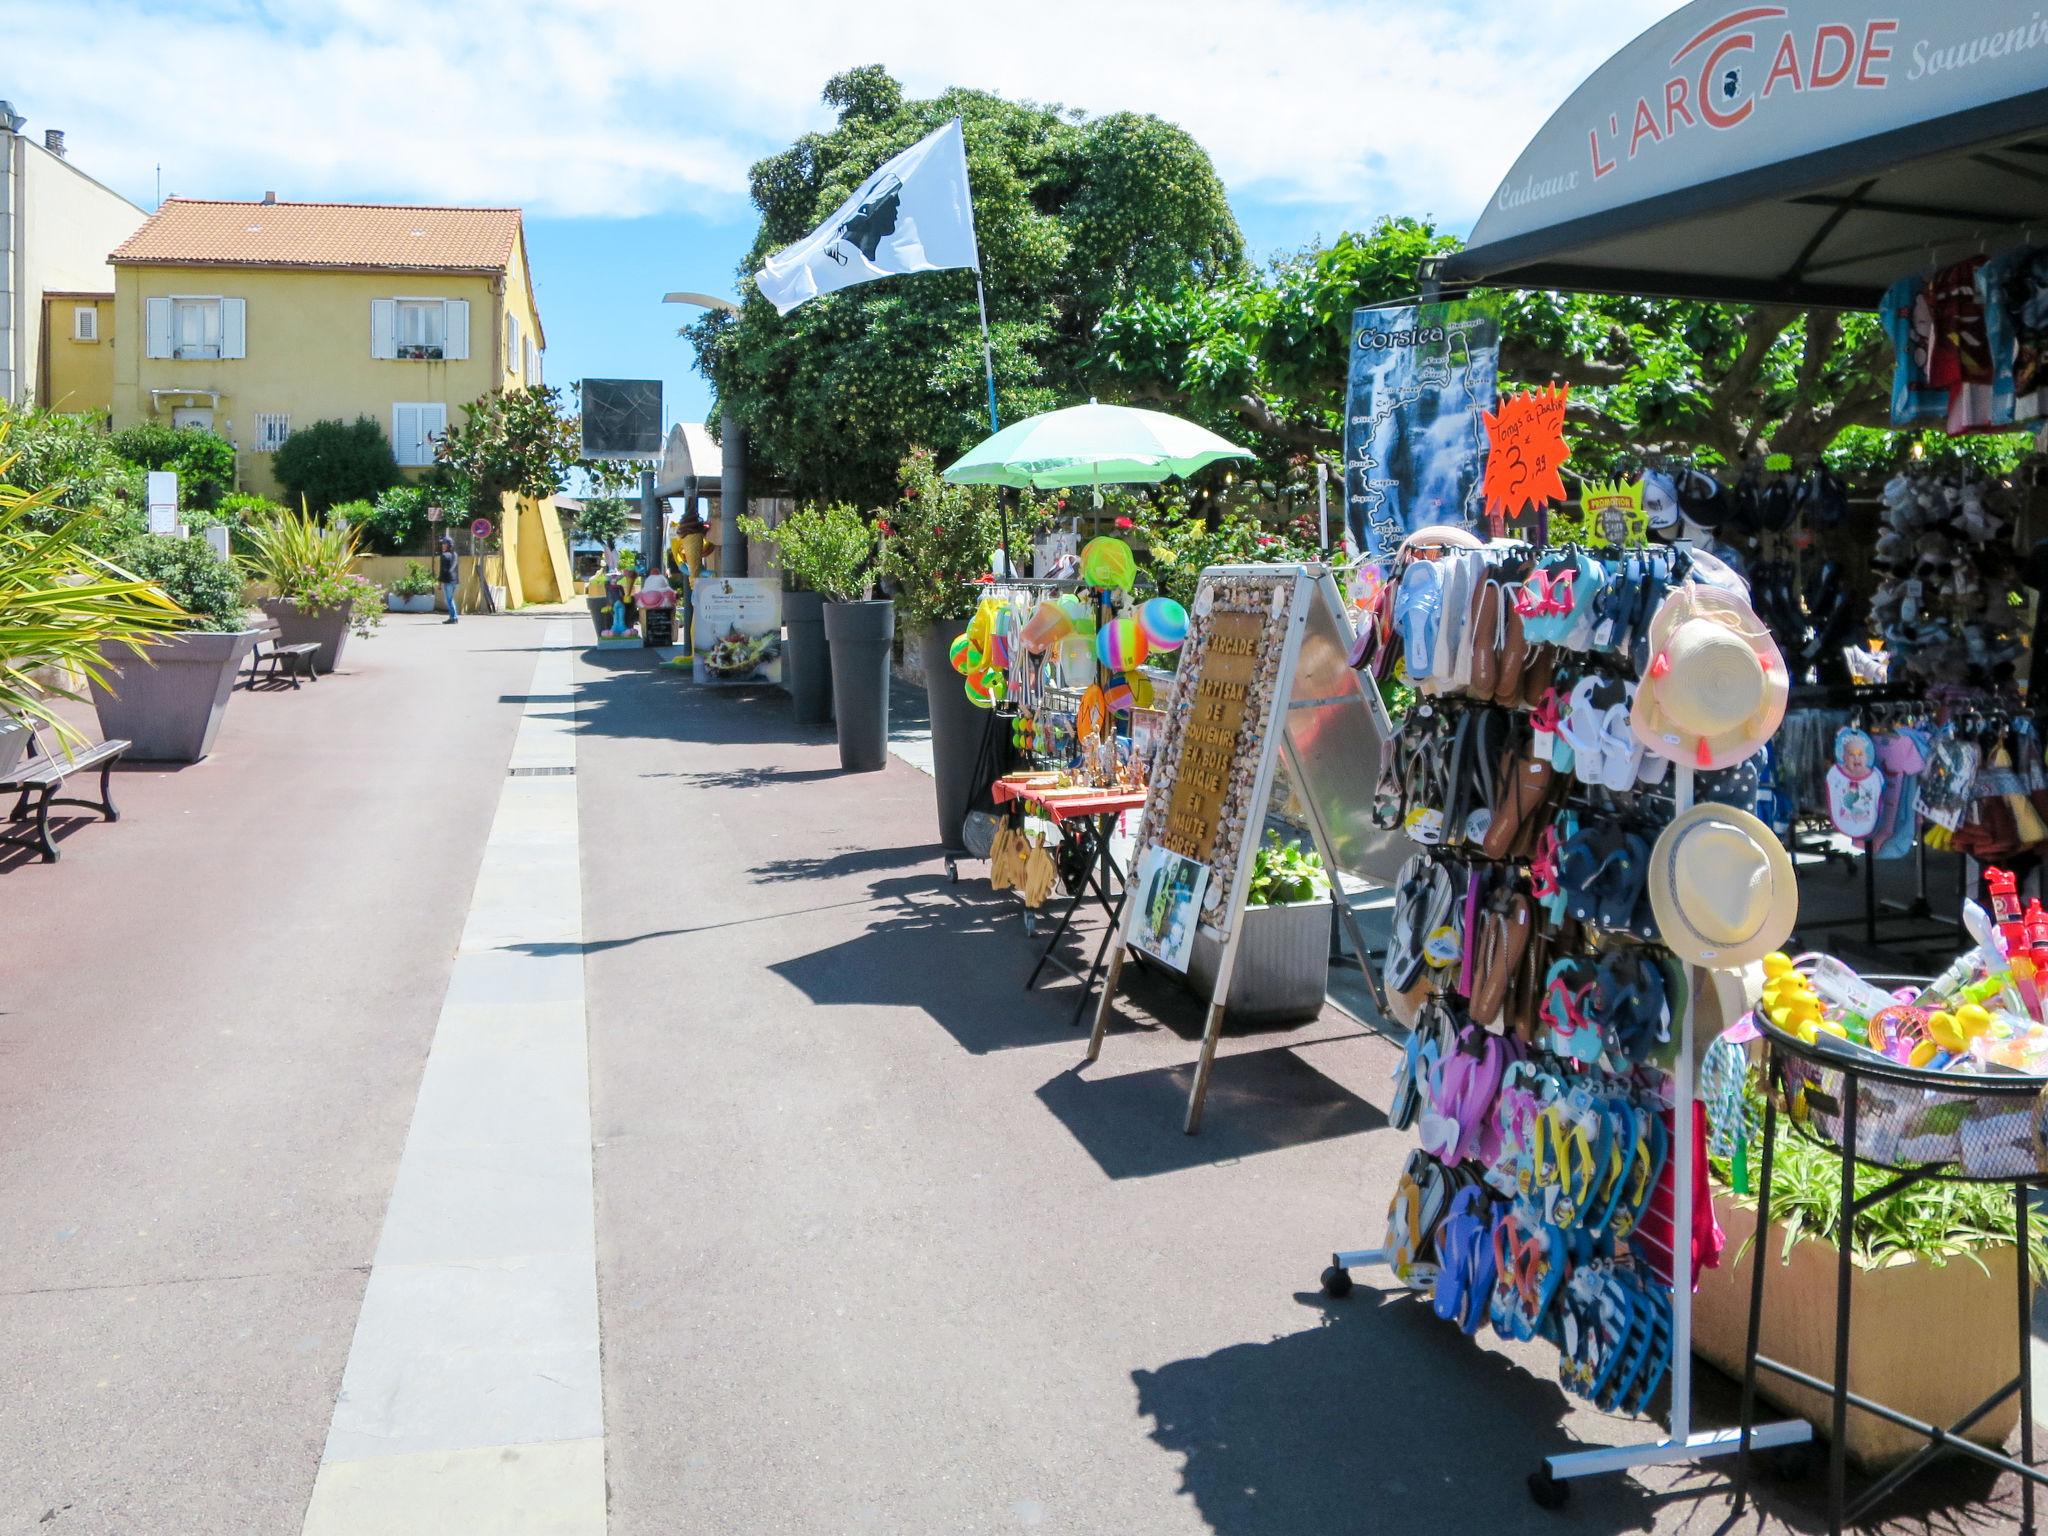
(1527, 449)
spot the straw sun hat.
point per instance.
(1722, 888)
(1717, 684)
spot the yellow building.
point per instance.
(75, 364)
(258, 318)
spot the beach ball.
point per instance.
(966, 658)
(981, 689)
(1108, 562)
(1118, 695)
(1076, 661)
(1121, 645)
(1165, 623)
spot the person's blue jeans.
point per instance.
(448, 597)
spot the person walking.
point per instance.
(448, 577)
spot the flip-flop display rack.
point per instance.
(1548, 1075)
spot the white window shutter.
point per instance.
(456, 329)
(511, 343)
(159, 327)
(433, 427)
(535, 381)
(234, 327)
(405, 431)
(383, 327)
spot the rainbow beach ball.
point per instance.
(964, 655)
(1118, 695)
(1108, 563)
(981, 689)
(1165, 623)
(1121, 645)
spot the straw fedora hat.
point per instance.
(1717, 684)
(1722, 888)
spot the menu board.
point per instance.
(737, 629)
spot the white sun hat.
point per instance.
(1723, 888)
(1717, 685)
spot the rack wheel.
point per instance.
(953, 870)
(1547, 1491)
(1336, 1283)
(1030, 924)
(1792, 1463)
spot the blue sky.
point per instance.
(624, 128)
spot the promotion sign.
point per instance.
(737, 631)
(1526, 453)
(1421, 379)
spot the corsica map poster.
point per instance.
(1422, 377)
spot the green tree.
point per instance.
(331, 461)
(605, 519)
(203, 461)
(1267, 353)
(515, 442)
(1074, 215)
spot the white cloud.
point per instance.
(624, 107)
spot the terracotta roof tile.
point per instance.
(188, 231)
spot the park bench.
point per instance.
(294, 659)
(38, 777)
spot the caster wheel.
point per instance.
(1030, 924)
(952, 872)
(1336, 1283)
(1792, 1463)
(1547, 1491)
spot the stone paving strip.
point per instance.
(472, 1401)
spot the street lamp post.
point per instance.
(732, 473)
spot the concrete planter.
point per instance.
(325, 627)
(13, 743)
(959, 729)
(393, 603)
(807, 658)
(860, 634)
(171, 710)
(1904, 1316)
(1283, 964)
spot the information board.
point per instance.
(737, 629)
(162, 495)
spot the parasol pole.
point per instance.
(988, 372)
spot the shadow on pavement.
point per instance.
(1259, 1101)
(765, 776)
(846, 861)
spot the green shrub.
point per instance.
(417, 581)
(333, 461)
(203, 461)
(822, 548)
(395, 523)
(190, 574)
(1284, 873)
(313, 566)
(67, 465)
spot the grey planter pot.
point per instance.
(171, 711)
(13, 742)
(807, 660)
(860, 634)
(424, 603)
(959, 729)
(325, 627)
(1283, 964)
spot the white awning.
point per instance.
(689, 452)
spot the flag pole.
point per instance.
(988, 369)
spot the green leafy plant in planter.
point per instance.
(417, 581)
(1285, 873)
(59, 601)
(195, 578)
(827, 548)
(936, 541)
(312, 567)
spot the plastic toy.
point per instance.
(1108, 563)
(1165, 623)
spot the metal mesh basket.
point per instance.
(1982, 1129)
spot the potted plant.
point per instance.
(59, 605)
(1283, 962)
(315, 593)
(936, 544)
(831, 550)
(413, 592)
(802, 554)
(1935, 1251)
(169, 700)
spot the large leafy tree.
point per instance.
(1075, 215)
(511, 442)
(1266, 352)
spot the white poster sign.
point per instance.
(163, 501)
(737, 636)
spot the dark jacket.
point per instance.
(447, 566)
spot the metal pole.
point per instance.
(988, 357)
(732, 495)
(650, 525)
(1323, 502)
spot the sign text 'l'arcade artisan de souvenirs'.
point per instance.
(1212, 744)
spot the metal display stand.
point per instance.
(1549, 1484)
(1334, 731)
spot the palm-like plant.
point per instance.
(59, 603)
(312, 565)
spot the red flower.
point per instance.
(1125, 522)
(883, 524)
(1063, 503)
(986, 578)
(910, 493)
(1267, 538)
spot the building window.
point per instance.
(511, 343)
(272, 428)
(85, 323)
(414, 431)
(422, 327)
(195, 327)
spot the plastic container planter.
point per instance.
(807, 663)
(1283, 964)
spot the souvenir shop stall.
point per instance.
(1592, 935)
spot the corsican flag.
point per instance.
(912, 215)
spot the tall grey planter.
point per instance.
(959, 729)
(1283, 964)
(171, 711)
(859, 634)
(325, 627)
(807, 663)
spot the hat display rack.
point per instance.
(1576, 777)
